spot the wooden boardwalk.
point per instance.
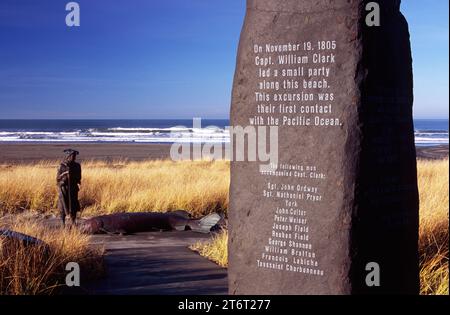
(156, 263)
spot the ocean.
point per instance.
(125, 131)
(431, 131)
(427, 131)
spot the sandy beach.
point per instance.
(33, 152)
(432, 152)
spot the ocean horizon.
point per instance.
(428, 132)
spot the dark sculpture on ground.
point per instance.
(128, 223)
(26, 240)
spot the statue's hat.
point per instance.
(71, 152)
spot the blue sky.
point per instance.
(160, 59)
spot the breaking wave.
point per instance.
(120, 134)
(164, 135)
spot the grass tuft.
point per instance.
(214, 249)
(36, 270)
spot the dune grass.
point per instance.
(198, 187)
(35, 270)
(433, 234)
(214, 249)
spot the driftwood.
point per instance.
(128, 223)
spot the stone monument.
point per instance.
(338, 212)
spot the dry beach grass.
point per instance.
(214, 249)
(37, 269)
(434, 219)
(200, 187)
(107, 187)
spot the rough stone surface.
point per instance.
(350, 185)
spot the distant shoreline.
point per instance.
(158, 131)
(434, 152)
(19, 153)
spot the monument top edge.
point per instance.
(314, 6)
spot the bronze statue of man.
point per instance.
(68, 180)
